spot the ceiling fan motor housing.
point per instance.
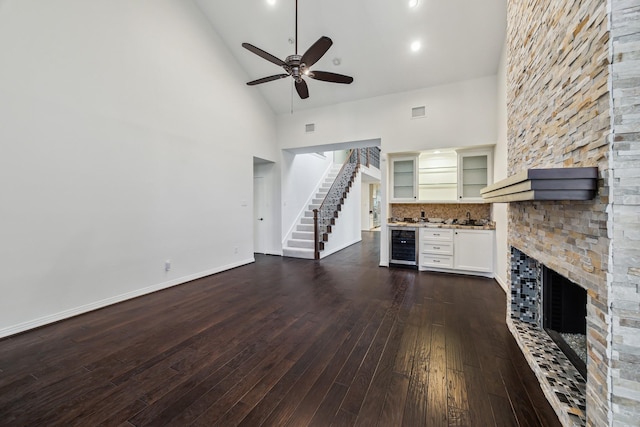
(295, 67)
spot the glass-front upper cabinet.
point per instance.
(403, 179)
(475, 171)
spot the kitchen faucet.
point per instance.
(468, 216)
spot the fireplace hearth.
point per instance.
(548, 320)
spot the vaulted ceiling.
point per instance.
(460, 40)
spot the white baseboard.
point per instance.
(502, 282)
(56, 317)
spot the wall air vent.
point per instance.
(418, 112)
(310, 127)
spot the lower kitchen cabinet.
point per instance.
(473, 250)
(465, 251)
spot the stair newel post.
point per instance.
(316, 243)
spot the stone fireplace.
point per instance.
(573, 100)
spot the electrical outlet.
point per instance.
(167, 265)
(235, 250)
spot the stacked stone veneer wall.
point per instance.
(624, 278)
(558, 106)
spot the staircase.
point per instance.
(301, 244)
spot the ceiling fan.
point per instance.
(297, 66)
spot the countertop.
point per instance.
(490, 226)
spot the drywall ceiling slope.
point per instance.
(460, 40)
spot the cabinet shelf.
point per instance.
(439, 169)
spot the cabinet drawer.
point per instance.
(436, 234)
(435, 247)
(440, 261)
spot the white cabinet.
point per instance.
(436, 248)
(438, 176)
(475, 171)
(441, 176)
(403, 179)
(473, 250)
(459, 250)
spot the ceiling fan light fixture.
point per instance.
(297, 66)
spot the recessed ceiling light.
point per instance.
(273, 2)
(415, 46)
(413, 3)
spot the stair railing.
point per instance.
(324, 217)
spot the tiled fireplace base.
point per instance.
(560, 381)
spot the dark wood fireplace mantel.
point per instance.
(544, 184)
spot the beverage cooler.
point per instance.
(403, 246)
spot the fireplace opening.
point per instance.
(564, 317)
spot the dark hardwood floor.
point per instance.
(282, 342)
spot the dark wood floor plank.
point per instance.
(315, 397)
(362, 380)
(437, 409)
(477, 396)
(198, 400)
(457, 400)
(282, 341)
(415, 408)
(518, 397)
(348, 371)
(371, 408)
(502, 411)
(317, 353)
(282, 352)
(329, 406)
(406, 351)
(392, 413)
(320, 353)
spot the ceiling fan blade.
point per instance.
(261, 53)
(267, 79)
(326, 76)
(302, 89)
(315, 52)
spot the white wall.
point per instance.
(500, 172)
(365, 202)
(347, 228)
(121, 147)
(458, 115)
(301, 174)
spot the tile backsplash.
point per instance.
(441, 210)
